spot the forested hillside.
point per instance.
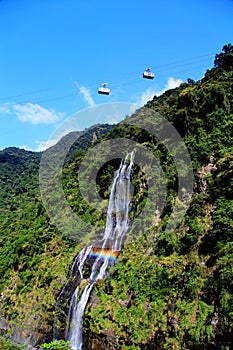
(167, 290)
(175, 291)
(34, 256)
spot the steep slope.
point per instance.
(175, 291)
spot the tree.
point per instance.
(191, 81)
(225, 58)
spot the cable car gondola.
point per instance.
(148, 74)
(103, 89)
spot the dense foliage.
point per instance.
(174, 291)
(6, 344)
(168, 290)
(34, 255)
(56, 345)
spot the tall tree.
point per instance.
(225, 58)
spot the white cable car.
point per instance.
(103, 89)
(148, 74)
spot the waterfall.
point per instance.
(102, 253)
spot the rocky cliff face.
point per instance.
(20, 335)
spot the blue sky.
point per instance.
(54, 54)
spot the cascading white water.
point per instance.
(116, 228)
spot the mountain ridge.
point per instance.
(166, 290)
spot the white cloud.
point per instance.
(43, 145)
(150, 93)
(146, 96)
(172, 83)
(86, 95)
(35, 114)
(4, 108)
(60, 132)
(26, 148)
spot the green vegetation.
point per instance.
(8, 345)
(168, 290)
(34, 256)
(175, 291)
(57, 345)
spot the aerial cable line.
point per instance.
(182, 65)
(169, 65)
(32, 92)
(75, 93)
(69, 93)
(129, 83)
(134, 81)
(161, 68)
(157, 70)
(187, 59)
